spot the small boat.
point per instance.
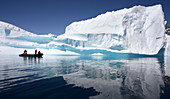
(31, 55)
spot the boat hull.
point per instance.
(31, 55)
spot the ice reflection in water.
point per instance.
(114, 78)
(135, 78)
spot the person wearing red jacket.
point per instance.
(25, 51)
(35, 51)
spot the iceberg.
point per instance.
(137, 30)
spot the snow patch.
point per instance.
(97, 54)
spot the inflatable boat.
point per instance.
(31, 55)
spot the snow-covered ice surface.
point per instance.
(138, 30)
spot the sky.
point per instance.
(52, 16)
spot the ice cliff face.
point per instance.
(137, 30)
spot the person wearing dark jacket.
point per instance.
(39, 52)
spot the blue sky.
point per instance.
(52, 16)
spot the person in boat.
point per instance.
(35, 51)
(39, 52)
(25, 51)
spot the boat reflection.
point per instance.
(35, 60)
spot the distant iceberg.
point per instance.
(138, 30)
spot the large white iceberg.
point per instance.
(139, 30)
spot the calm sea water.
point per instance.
(83, 77)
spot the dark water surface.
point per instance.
(83, 77)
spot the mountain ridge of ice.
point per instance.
(7, 29)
